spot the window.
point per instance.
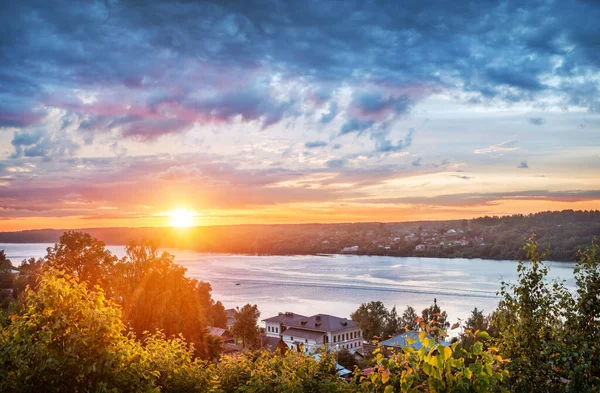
(347, 336)
(334, 338)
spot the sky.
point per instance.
(115, 113)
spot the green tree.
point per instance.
(372, 318)
(582, 325)
(246, 325)
(30, 272)
(436, 317)
(476, 321)
(408, 321)
(531, 320)
(68, 338)
(392, 324)
(81, 255)
(346, 359)
(7, 278)
(216, 315)
(155, 294)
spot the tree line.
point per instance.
(563, 233)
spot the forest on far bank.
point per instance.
(560, 233)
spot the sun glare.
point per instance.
(182, 218)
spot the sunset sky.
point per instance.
(115, 113)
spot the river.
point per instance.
(338, 284)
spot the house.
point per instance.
(220, 332)
(302, 333)
(420, 247)
(272, 344)
(350, 249)
(402, 340)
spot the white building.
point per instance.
(301, 333)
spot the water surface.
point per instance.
(338, 284)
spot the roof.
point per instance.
(318, 322)
(401, 340)
(215, 331)
(270, 343)
(308, 334)
(286, 318)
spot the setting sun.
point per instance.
(182, 218)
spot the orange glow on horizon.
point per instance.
(182, 218)
(303, 213)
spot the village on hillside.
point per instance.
(288, 331)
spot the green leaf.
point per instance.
(468, 373)
(447, 353)
(483, 335)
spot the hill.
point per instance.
(562, 233)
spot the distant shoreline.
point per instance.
(304, 255)
(491, 238)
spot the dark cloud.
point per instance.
(370, 103)
(384, 144)
(416, 162)
(314, 144)
(523, 165)
(40, 143)
(356, 125)
(336, 163)
(329, 116)
(463, 177)
(536, 121)
(400, 51)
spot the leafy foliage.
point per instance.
(265, 372)
(476, 321)
(246, 325)
(79, 254)
(437, 368)
(375, 321)
(68, 338)
(408, 321)
(437, 318)
(155, 294)
(346, 359)
(550, 334)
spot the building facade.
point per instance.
(306, 334)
